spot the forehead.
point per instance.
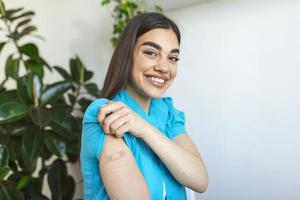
(166, 38)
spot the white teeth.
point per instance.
(157, 79)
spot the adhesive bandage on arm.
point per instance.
(114, 156)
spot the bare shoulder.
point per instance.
(119, 171)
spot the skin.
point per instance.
(155, 54)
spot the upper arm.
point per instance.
(184, 141)
(119, 171)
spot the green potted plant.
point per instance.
(122, 12)
(40, 123)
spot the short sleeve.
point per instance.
(176, 119)
(93, 137)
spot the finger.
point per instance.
(100, 116)
(115, 125)
(122, 130)
(112, 118)
(107, 109)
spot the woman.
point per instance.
(134, 143)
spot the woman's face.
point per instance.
(155, 60)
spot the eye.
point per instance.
(174, 59)
(150, 53)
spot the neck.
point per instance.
(143, 101)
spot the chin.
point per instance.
(155, 92)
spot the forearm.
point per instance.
(187, 168)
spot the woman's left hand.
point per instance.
(117, 118)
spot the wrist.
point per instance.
(147, 132)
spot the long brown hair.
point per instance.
(120, 67)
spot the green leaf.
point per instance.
(12, 190)
(88, 75)
(119, 26)
(3, 172)
(3, 156)
(16, 176)
(62, 72)
(72, 158)
(14, 35)
(74, 70)
(40, 116)
(81, 70)
(2, 8)
(55, 144)
(12, 67)
(9, 13)
(12, 111)
(23, 182)
(30, 50)
(158, 8)
(4, 169)
(72, 99)
(45, 63)
(34, 187)
(77, 70)
(22, 23)
(46, 154)
(92, 89)
(84, 103)
(105, 2)
(2, 44)
(54, 92)
(18, 131)
(64, 124)
(27, 30)
(37, 89)
(35, 67)
(127, 8)
(32, 144)
(114, 41)
(15, 148)
(3, 193)
(4, 137)
(57, 179)
(12, 165)
(73, 147)
(28, 13)
(25, 88)
(69, 188)
(6, 96)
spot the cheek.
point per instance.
(143, 63)
(174, 71)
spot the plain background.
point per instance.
(238, 83)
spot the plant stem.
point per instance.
(3, 82)
(77, 93)
(15, 42)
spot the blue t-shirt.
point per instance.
(164, 116)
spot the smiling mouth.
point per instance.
(157, 82)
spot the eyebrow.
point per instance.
(158, 47)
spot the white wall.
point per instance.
(72, 27)
(239, 85)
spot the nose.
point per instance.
(162, 66)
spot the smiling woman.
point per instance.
(134, 143)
